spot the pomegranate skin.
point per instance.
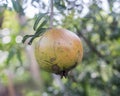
(58, 51)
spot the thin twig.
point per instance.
(51, 13)
(91, 46)
(11, 88)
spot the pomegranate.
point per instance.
(58, 51)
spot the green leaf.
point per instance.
(18, 8)
(42, 24)
(41, 31)
(19, 56)
(26, 37)
(11, 54)
(60, 5)
(37, 34)
(57, 1)
(37, 27)
(40, 16)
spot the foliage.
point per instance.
(99, 72)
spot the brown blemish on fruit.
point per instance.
(61, 51)
(56, 68)
(52, 59)
(70, 43)
(58, 43)
(66, 55)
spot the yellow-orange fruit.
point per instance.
(58, 51)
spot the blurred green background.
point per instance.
(96, 22)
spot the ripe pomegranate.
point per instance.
(58, 51)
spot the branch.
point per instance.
(91, 46)
(51, 13)
(11, 88)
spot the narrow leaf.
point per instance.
(11, 54)
(41, 31)
(37, 34)
(40, 16)
(57, 1)
(26, 37)
(18, 8)
(19, 56)
(42, 24)
(60, 7)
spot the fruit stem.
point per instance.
(51, 13)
